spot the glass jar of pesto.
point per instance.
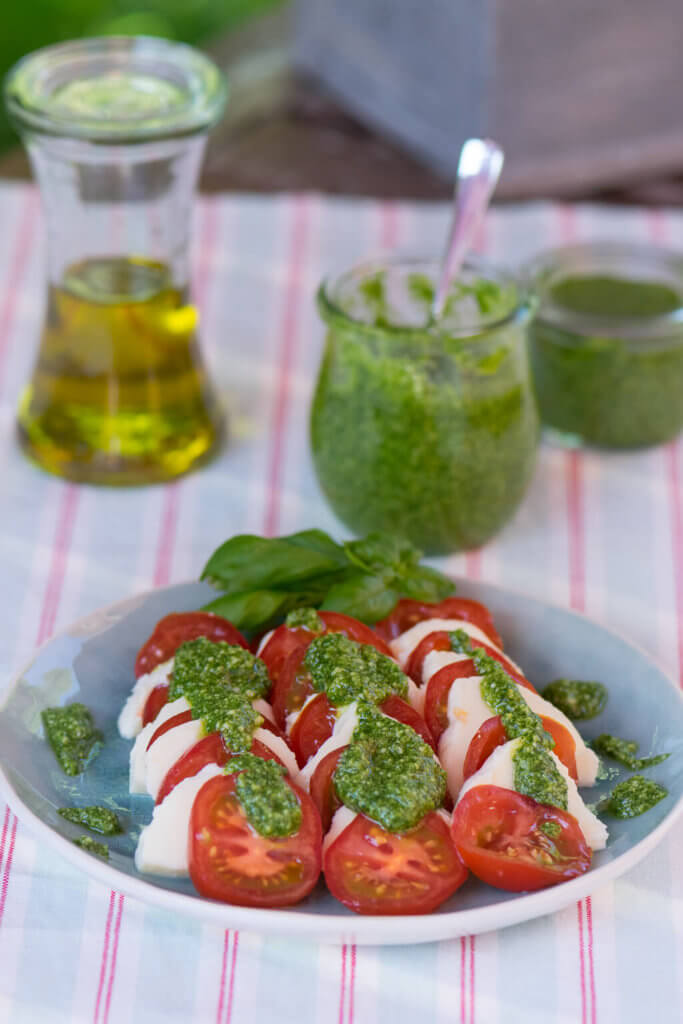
(425, 429)
(607, 343)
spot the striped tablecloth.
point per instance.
(604, 534)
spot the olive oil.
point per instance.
(119, 393)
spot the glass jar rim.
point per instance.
(331, 310)
(637, 260)
(30, 87)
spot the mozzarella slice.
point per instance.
(404, 645)
(467, 712)
(264, 640)
(587, 761)
(163, 846)
(130, 719)
(293, 715)
(279, 747)
(436, 660)
(168, 749)
(263, 708)
(499, 770)
(341, 820)
(138, 754)
(344, 728)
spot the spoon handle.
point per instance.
(479, 167)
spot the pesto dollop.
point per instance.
(238, 723)
(215, 678)
(634, 796)
(92, 846)
(625, 752)
(305, 618)
(270, 805)
(71, 733)
(346, 671)
(577, 698)
(388, 773)
(96, 818)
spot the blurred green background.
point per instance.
(26, 26)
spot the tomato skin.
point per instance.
(322, 790)
(170, 723)
(440, 641)
(492, 734)
(436, 698)
(176, 629)
(292, 687)
(314, 725)
(408, 613)
(372, 871)
(280, 645)
(399, 709)
(208, 750)
(154, 703)
(229, 860)
(497, 833)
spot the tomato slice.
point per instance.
(402, 711)
(176, 629)
(292, 688)
(373, 871)
(231, 862)
(154, 703)
(408, 613)
(170, 723)
(321, 787)
(280, 645)
(208, 750)
(314, 725)
(492, 734)
(440, 641)
(500, 836)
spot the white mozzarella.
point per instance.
(165, 751)
(467, 712)
(138, 754)
(279, 747)
(263, 708)
(436, 660)
(587, 761)
(341, 820)
(130, 719)
(163, 844)
(341, 737)
(293, 715)
(404, 645)
(264, 640)
(499, 770)
(416, 696)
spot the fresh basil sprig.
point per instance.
(262, 579)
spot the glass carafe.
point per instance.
(115, 129)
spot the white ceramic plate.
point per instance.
(93, 661)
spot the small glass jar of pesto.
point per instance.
(425, 429)
(607, 344)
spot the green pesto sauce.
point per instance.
(420, 432)
(238, 725)
(535, 772)
(92, 846)
(625, 752)
(96, 818)
(305, 618)
(577, 698)
(388, 773)
(634, 796)
(72, 735)
(215, 678)
(598, 386)
(269, 803)
(346, 671)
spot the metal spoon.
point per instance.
(479, 167)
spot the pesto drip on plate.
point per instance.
(346, 670)
(577, 698)
(535, 772)
(96, 818)
(72, 735)
(633, 797)
(270, 805)
(388, 773)
(305, 618)
(625, 752)
(91, 845)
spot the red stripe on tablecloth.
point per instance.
(591, 965)
(671, 457)
(60, 550)
(18, 263)
(582, 964)
(576, 531)
(389, 227)
(114, 953)
(463, 980)
(224, 970)
(208, 234)
(8, 868)
(352, 982)
(169, 521)
(473, 562)
(471, 979)
(231, 983)
(288, 332)
(4, 832)
(105, 957)
(342, 985)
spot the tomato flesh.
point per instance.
(500, 836)
(314, 725)
(208, 750)
(322, 790)
(293, 686)
(440, 641)
(154, 703)
(408, 613)
(399, 709)
(176, 629)
(492, 734)
(231, 862)
(372, 871)
(170, 723)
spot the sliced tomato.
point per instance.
(154, 703)
(402, 711)
(501, 837)
(440, 641)
(280, 645)
(292, 688)
(314, 725)
(492, 734)
(321, 787)
(170, 723)
(436, 697)
(373, 871)
(208, 750)
(176, 629)
(231, 862)
(408, 613)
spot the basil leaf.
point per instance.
(363, 596)
(248, 562)
(259, 609)
(380, 551)
(425, 584)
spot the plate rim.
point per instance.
(337, 928)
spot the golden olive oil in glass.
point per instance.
(119, 393)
